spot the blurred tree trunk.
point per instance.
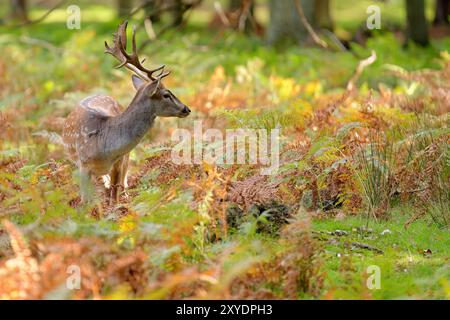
(178, 13)
(124, 7)
(150, 8)
(442, 12)
(323, 14)
(234, 5)
(155, 8)
(285, 23)
(417, 22)
(19, 10)
(245, 10)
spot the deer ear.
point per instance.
(137, 82)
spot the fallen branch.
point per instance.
(335, 40)
(148, 25)
(157, 11)
(308, 26)
(40, 19)
(414, 218)
(221, 13)
(245, 14)
(361, 66)
(367, 247)
(41, 43)
(186, 7)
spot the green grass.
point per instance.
(406, 270)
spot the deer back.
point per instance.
(85, 124)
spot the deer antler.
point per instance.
(131, 61)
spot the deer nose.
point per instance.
(186, 110)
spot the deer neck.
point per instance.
(128, 128)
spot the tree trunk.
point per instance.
(442, 13)
(285, 23)
(416, 22)
(323, 15)
(245, 9)
(178, 13)
(234, 5)
(19, 10)
(151, 9)
(124, 7)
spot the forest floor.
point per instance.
(362, 190)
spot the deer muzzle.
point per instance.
(185, 112)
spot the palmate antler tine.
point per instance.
(112, 51)
(133, 43)
(133, 58)
(130, 61)
(128, 66)
(122, 35)
(117, 43)
(117, 51)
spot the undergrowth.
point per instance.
(363, 177)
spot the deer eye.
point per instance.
(166, 95)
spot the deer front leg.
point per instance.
(118, 176)
(114, 180)
(87, 189)
(124, 174)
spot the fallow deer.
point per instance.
(98, 136)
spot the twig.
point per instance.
(45, 15)
(415, 217)
(154, 12)
(245, 14)
(151, 39)
(149, 28)
(41, 43)
(170, 7)
(308, 26)
(185, 9)
(361, 66)
(335, 39)
(223, 17)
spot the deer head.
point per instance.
(149, 86)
